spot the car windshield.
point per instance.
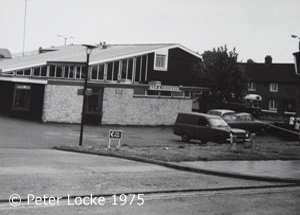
(215, 122)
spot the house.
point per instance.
(276, 87)
(133, 84)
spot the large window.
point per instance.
(110, 68)
(161, 60)
(78, 72)
(39, 71)
(130, 69)
(124, 69)
(273, 87)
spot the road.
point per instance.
(258, 201)
(58, 173)
(29, 165)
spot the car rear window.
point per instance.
(229, 118)
(187, 119)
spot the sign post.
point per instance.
(115, 135)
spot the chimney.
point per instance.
(102, 45)
(268, 60)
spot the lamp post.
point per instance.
(295, 36)
(89, 49)
(65, 38)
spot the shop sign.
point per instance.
(23, 87)
(164, 88)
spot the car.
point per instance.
(205, 127)
(220, 112)
(247, 122)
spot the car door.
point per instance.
(203, 129)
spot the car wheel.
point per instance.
(220, 140)
(185, 138)
(263, 131)
(203, 141)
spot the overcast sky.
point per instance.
(255, 27)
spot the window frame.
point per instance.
(273, 104)
(274, 87)
(157, 59)
(251, 86)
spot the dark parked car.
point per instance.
(247, 122)
(206, 127)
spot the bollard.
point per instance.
(233, 143)
(252, 141)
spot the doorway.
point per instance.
(93, 106)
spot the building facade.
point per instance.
(277, 86)
(146, 84)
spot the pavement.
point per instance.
(60, 173)
(275, 169)
(287, 171)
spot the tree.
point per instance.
(221, 72)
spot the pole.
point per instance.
(24, 33)
(84, 97)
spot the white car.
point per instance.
(220, 112)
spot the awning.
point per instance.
(23, 80)
(253, 97)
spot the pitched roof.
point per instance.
(77, 53)
(274, 72)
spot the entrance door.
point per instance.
(22, 97)
(93, 106)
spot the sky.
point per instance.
(255, 28)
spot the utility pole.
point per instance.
(24, 33)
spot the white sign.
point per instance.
(115, 135)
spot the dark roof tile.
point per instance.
(273, 72)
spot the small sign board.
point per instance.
(164, 88)
(115, 135)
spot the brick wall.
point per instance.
(120, 107)
(62, 104)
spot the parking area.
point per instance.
(148, 142)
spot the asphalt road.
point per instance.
(267, 201)
(30, 166)
(58, 173)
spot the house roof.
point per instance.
(274, 72)
(77, 53)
